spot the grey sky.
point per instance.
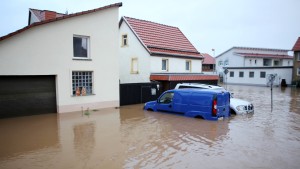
(218, 24)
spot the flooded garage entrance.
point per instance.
(132, 138)
(27, 95)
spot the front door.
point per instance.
(165, 102)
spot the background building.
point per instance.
(251, 66)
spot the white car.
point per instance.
(237, 106)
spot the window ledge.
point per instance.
(83, 96)
(81, 59)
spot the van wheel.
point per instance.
(199, 117)
(232, 112)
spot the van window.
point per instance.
(166, 98)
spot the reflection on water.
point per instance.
(132, 138)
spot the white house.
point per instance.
(153, 52)
(61, 64)
(252, 66)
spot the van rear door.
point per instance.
(223, 104)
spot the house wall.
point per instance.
(282, 73)
(134, 50)
(296, 65)
(176, 65)
(233, 60)
(48, 50)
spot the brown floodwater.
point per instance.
(130, 137)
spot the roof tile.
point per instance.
(208, 59)
(259, 55)
(162, 38)
(297, 45)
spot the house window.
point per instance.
(134, 66)
(226, 63)
(188, 65)
(276, 63)
(298, 71)
(241, 74)
(251, 74)
(231, 74)
(165, 64)
(81, 47)
(82, 83)
(262, 74)
(255, 61)
(220, 63)
(124, 40)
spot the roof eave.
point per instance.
(57, 19)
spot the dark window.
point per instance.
(298, 71)
(166, 98)
(262, 74)
(251, 74)
(82, 83)
(231, 74)
(124, 40)
(80, 47)
(241, 74)
(298, 56)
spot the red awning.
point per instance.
(182, 77)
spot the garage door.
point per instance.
(27, 95)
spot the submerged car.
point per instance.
(206, 104)
(237, 106)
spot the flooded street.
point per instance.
(132, 138)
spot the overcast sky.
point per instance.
(218, 24)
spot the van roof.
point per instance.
(195, 90)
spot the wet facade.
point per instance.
(130, 137)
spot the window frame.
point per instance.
(166, 66)
(231, 74)
(132, 71)
(88, 76)
(298, 71)
(298, 57)
(189, 65)
(124, 40)
(261, 73)
(251, 74)
(241, 74)
(88, 57)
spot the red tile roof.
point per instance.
(161, 39)
(58, 19)
(297, 45)
(45, 14)
(259, 55)
(182, 77)
(208, 59)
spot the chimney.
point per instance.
(50, 15)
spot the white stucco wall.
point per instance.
(48, 50)
(282, 73)
(147, 64)
(134, 50)
(176, 65)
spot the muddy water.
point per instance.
(132, 138)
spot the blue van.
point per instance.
(204, 103)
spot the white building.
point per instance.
(252, 66)
(153, 52)
(61, 64)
